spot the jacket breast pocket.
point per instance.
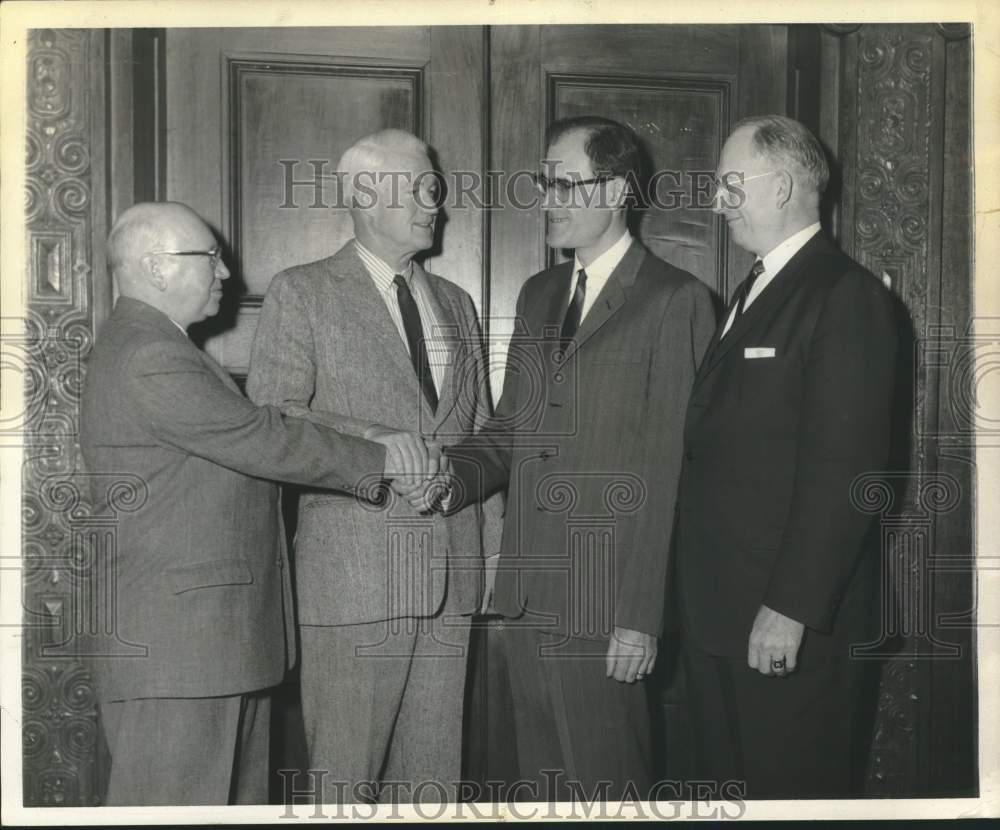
(764, 377)
(209, 574)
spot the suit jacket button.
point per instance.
(689, 456)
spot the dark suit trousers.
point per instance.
(188, 751)
(801, 736)
(577, 730)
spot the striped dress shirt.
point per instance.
(382, 275)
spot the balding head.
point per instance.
(771, 174)
(392, 191)
(379, 152)
(182, 286)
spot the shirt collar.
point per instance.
(600, 269)
(380, 271)
(183, 330)
(778, 257)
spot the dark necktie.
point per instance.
(571, 322)
(756, 271)
(415, 337)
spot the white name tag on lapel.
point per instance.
(755, 352)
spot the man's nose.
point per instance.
(221, 271)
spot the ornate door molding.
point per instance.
(896, 112)
(65, 212)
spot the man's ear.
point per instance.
(151, 268)
(617, 191)
(786, 186)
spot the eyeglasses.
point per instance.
(563, 188)
(731, 182)
(215, 254)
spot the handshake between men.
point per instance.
(416, 467)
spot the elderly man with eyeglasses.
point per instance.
(196, 609)
(778, 563)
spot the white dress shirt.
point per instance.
(774, 261)
(383, 276)
(598, 272)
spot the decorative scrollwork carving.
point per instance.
(70, 154)
(34, 153)
(34, 200)
(59, 731)
(915, 58)
(35, 739)
(70, 198)
(78, 735)
(873, 55)
(61, 495)
(76, 690)
(36, 691)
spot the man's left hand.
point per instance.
(774, 643)
(631, 655)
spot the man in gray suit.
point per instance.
(198, 568)
(587, 444)
(358, 340)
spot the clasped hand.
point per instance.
(416, 467)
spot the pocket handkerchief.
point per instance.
(758, 351)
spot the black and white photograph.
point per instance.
(499, 411)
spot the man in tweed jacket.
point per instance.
(385, 596)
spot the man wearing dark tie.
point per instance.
(358, 340)
(776, 568)
(586, 442)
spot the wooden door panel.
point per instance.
(250, 111)
(289, 118)
(652, 49)
(680, 87)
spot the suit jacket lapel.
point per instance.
(445, 336)
(366, 306)
(770, 298)
(713, 344)
(612, 297)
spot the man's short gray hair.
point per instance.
(786, 141)
(374, 153)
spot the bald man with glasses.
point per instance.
(203, 621)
